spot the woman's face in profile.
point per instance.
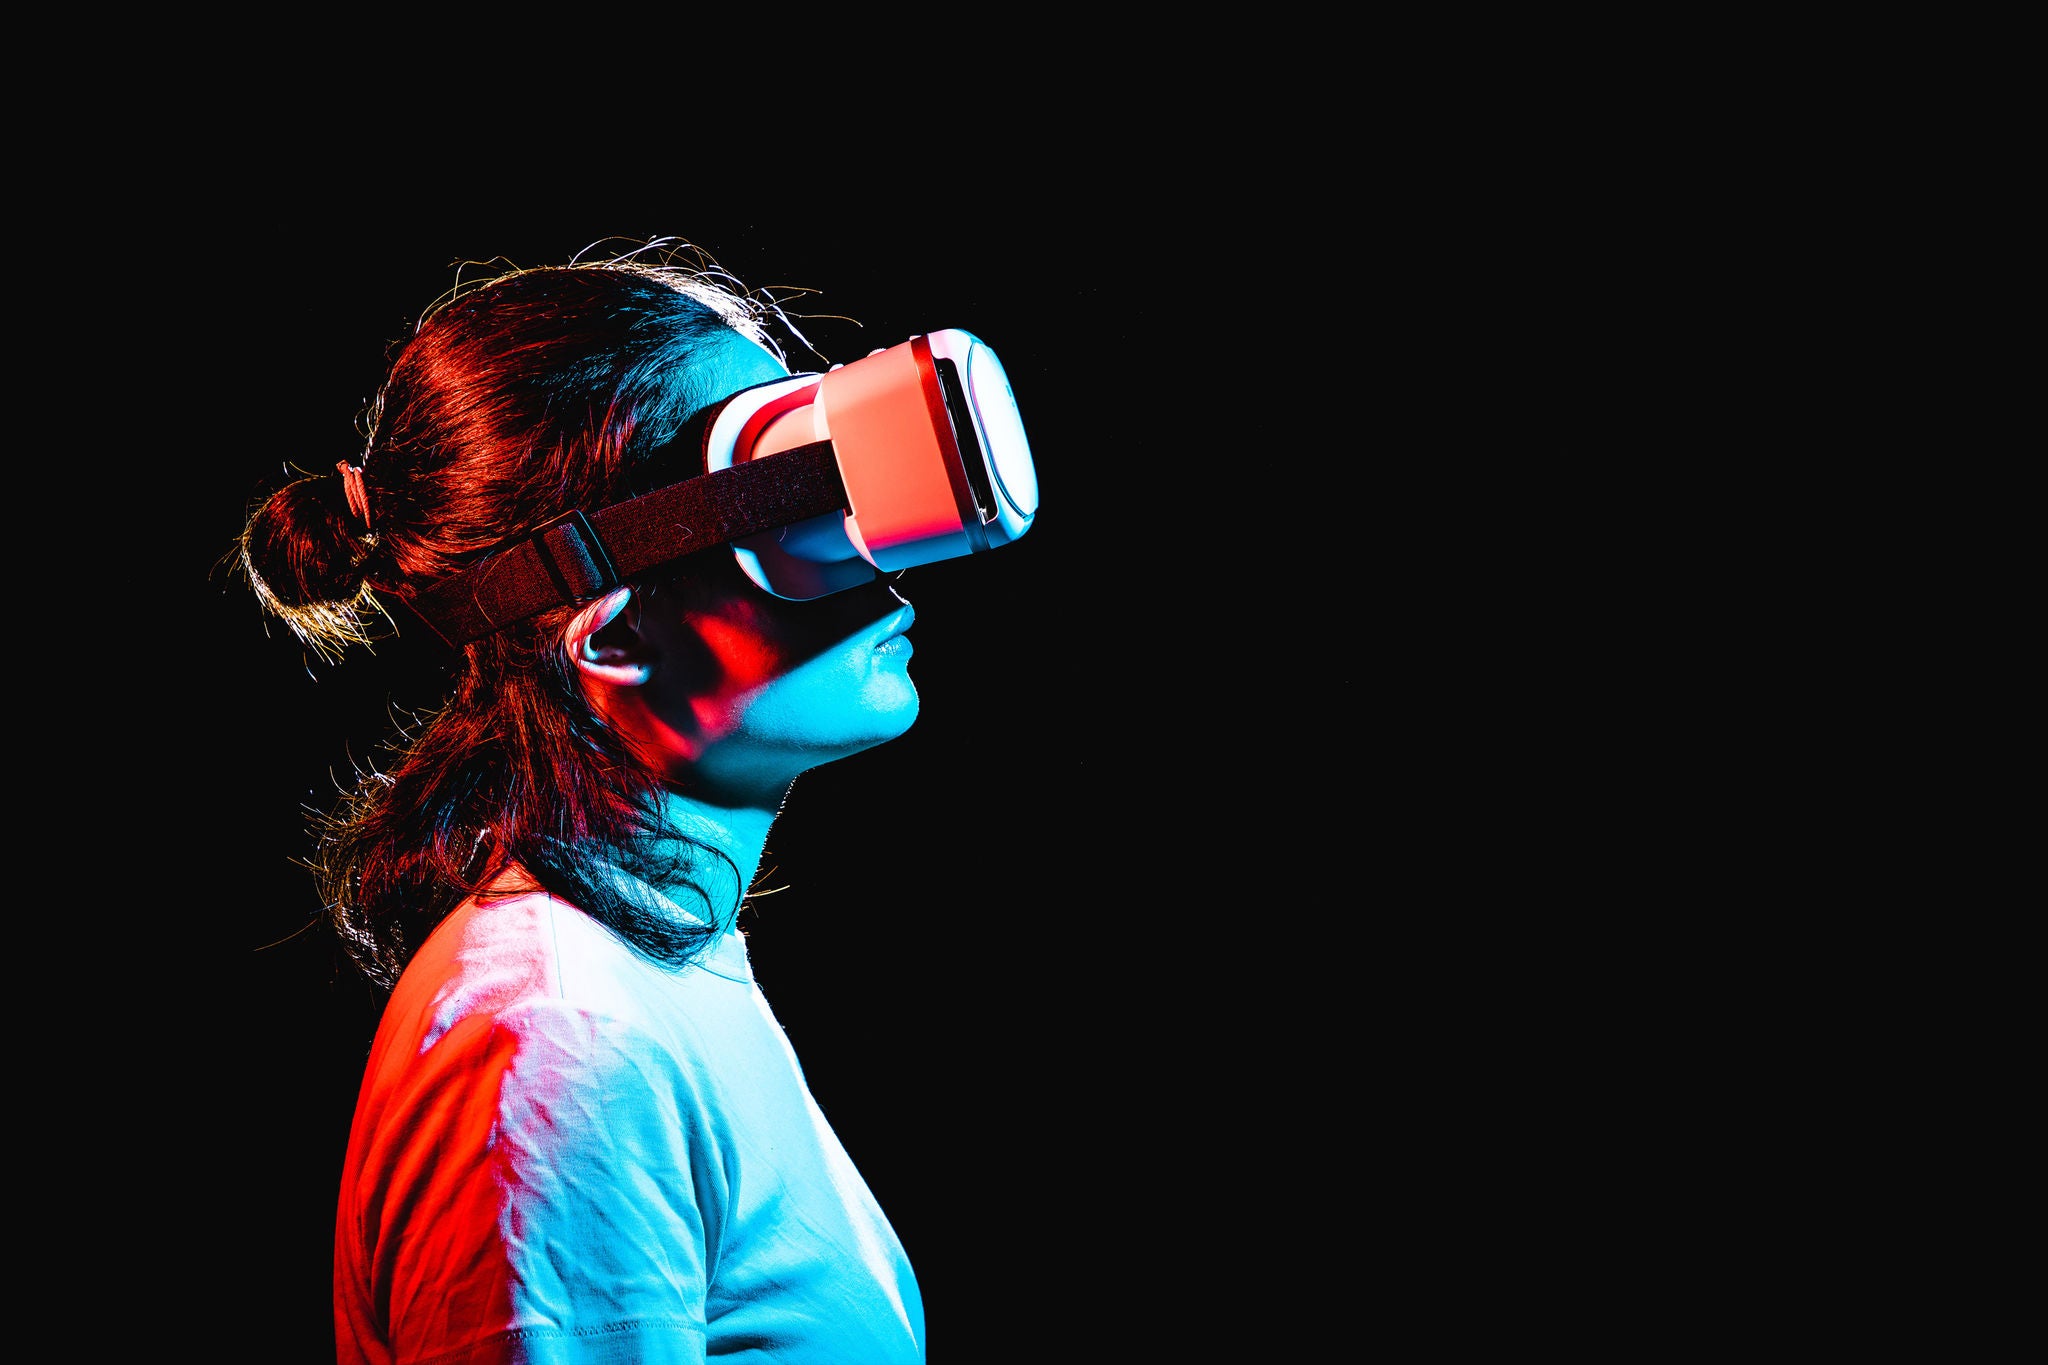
(758, 688)
(750, 689)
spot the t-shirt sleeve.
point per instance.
(558, 1197)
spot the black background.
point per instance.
(993, 928)
(1236, 940)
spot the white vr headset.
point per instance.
(818, 482)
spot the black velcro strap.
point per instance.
(576, 557)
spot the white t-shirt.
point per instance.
(565, 1154)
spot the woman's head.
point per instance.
(513, 402)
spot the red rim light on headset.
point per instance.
(928, 442)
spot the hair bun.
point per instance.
(302, 555)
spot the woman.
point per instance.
(581, 1134)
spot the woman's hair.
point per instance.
(513, 400)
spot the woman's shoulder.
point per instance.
(484, 1048)
(529, 960)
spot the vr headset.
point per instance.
(818, 482)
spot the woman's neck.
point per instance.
(739, 833)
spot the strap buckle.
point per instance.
(573, 558)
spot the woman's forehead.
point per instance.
(738, 363)
(754, 360)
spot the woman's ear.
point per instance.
(606, 645)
